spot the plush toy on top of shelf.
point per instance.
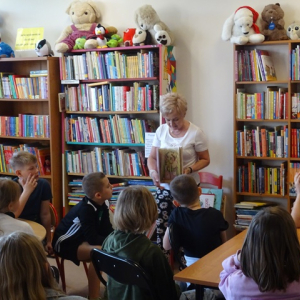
(127, 36)
(293, 31)
(141, 37)
(84, 16)
(146, 18)
(6, 50)
(272, 23)
(43, 48)
(240, 27)
(115, 41)
(100, 32)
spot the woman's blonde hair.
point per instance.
(25, 271)
(9, 192)
(136, 210)
(172, 102)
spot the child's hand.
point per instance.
(48, 248)
(30, 184)
(297, 183)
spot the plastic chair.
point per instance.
(59, 260)
(123, 270)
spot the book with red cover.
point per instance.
(44, 160)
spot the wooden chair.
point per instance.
(59, 260)
(125, 271)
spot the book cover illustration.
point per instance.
(169, 163)
(211, 198)
(268, 66)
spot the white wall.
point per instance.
(204, 61)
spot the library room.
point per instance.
(114, 115)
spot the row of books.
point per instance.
(107, 97)
(25, 126)
(110, 65)
(295, 142)
(121, 162)
(269, 105)
(21, 87)
(295, 64)
(263, 142)
(42, 154)
(253, 178)
(254, 65)
(245, 211)
(114, 129)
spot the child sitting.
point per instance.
(9, 202)
(86, 226)
(268, 266)
(198, 231)
(25, 272)
(36, 193)
(135, 212)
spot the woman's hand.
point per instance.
(154, 175)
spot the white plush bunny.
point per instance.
(240, 27)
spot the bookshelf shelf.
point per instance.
(277, 130)
(109, 108)
(18, 109)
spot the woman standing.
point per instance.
(176, 132)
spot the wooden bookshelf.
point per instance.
(281, 53)
(138, 69)
(48, 106)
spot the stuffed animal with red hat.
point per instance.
(240, 27)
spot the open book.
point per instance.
(169, 162)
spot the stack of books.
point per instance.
(245, 211)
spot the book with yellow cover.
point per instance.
(169, 162)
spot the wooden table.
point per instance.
(38, 229)
(206, 271)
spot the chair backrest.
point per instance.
(122, 270)
(210, 178)
(54, 217)
(175, 244)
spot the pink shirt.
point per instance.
(236, 286)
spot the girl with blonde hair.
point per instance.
(135, 213)
(25, 272)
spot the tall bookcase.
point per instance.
(271, 176)
(117, 89)
(42, 109)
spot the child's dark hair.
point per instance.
(271, 252)
(21, 159)
(9, 192)
(184, 189)
(92, 183)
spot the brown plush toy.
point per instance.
(272, 23)
(85, 16)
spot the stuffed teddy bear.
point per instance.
(146, 18)
(272, 23)
(141, 37)
(293, 31)
(240, 27)
(84, 15)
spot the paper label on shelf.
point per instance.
(28, 37)
(149, 137)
